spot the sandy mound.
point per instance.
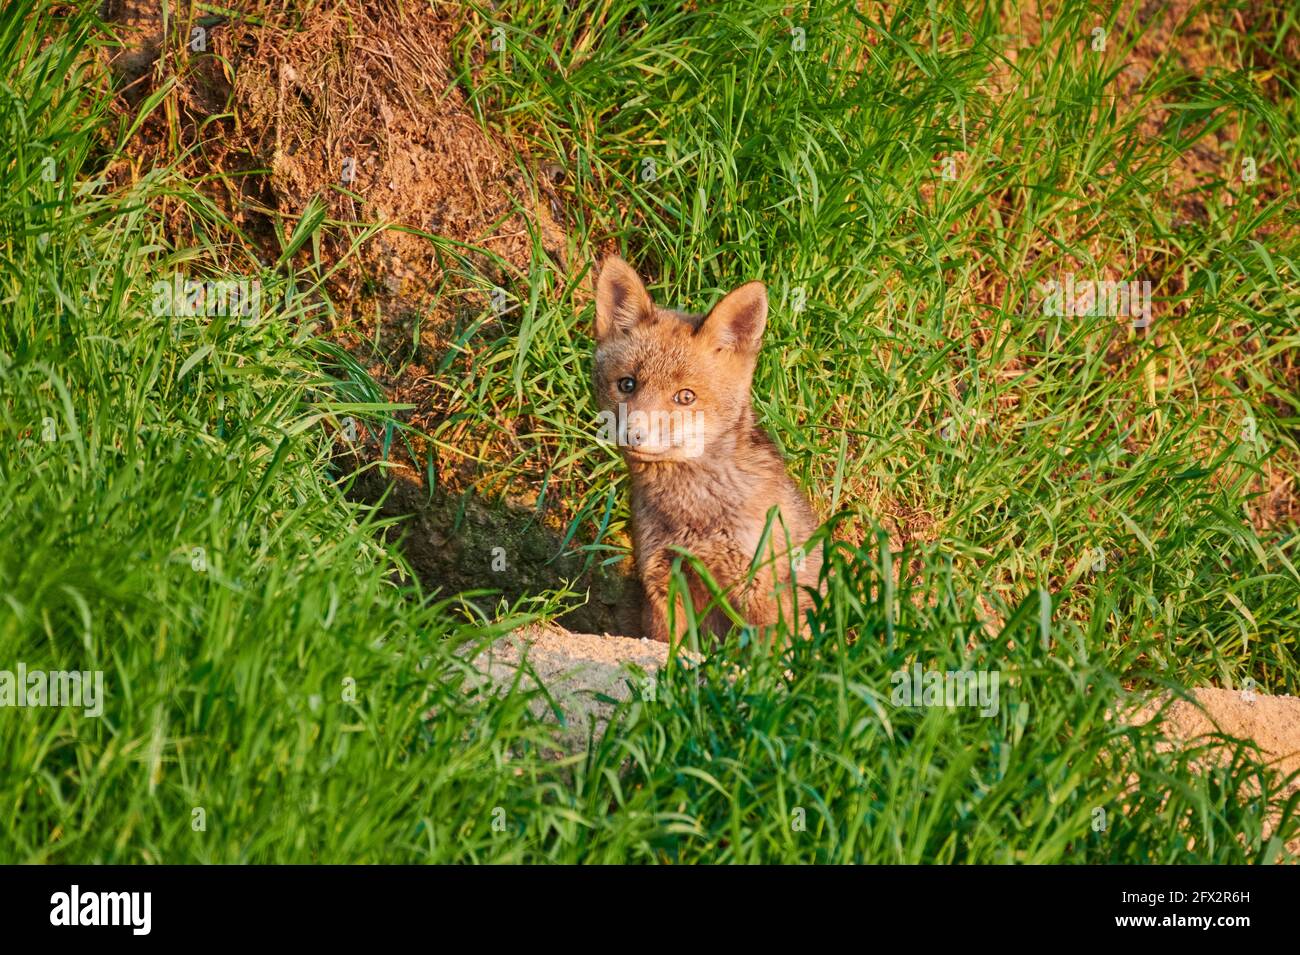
(1271, 722)
(579, 667)
(586, 674)
(363, 109)
(367, 109)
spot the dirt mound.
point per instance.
(358, 106)
(361, 108)
(1272, 722)
(379, 127)
(586, 674)
(583, 666)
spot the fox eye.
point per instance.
(627, 385)
(684, 397)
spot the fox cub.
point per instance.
(704, 475)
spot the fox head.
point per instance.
(675, 383)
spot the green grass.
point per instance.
(174, 515)
(920, 375)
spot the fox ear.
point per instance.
(621, 299)
(737, 322)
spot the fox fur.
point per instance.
(704, 475)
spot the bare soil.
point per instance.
(360, 106)
(585, 674)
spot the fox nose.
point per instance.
(646, 435)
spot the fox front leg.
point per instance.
(655, 614)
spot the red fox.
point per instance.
(704, 475)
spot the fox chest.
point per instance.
(723, 540)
